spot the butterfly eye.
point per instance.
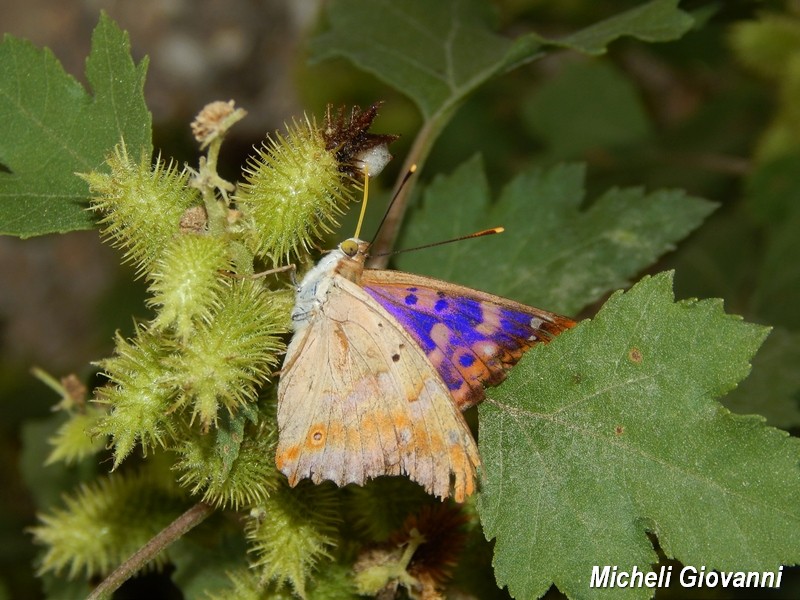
(349, 247)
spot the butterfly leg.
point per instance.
(290, 267)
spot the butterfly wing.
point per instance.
(358, 399)
(472, 338)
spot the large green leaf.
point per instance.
(434, 52)
(612, 432)
(438, 52)
(655, 21)
(51, 129)
(554, 254)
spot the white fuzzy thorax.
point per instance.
(313, 289)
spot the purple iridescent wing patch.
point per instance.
(470, 337)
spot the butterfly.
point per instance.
(380, 367)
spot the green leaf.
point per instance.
(51, 129)
(230, 435)
(611, 433)
(553, 254)
(438, 52)
(434, 52)
(656, 21)
(587, 106)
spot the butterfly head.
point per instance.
(354, 253)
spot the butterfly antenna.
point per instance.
(477, 234)
(363, 202)
(411, 170)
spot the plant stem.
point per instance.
(191, 518)
(387, 236)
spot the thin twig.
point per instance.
(191, 518)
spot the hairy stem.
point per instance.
(191, 518)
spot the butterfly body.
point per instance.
(380, 367)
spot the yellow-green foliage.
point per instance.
(771, 47)
(245, 584)
(248, 480)
(227, 358)
(140, 395)
(105, 522)
(74, 440)
(187, 280)
(387, 565)
(189, 380)
(293, 192)
(767, 45)
(141, 206)
(292, 531)
(214, 339)
(334, 583)
(230, 354)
